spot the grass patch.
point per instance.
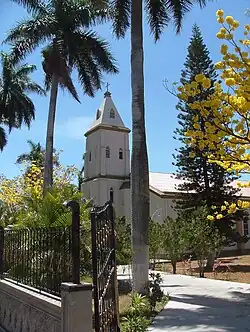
(124, 304)
(136, 313)
(87, 279)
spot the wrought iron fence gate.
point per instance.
(104, 269)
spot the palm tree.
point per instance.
(16, 108)
(63, 26)
(159, 14)
(36, 154)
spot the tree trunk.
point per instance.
(201, 267)
(210, 262)
(139, 162)
(174, 266)
(48, 167)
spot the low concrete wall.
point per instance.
(23, 310)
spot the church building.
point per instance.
(107, 170)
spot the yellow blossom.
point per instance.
(235, 24)
(220, 12)
(197, 126)
(230, 81)
(219, 216)
(224, 49)
(220, 35)
(229, 20)
(199, 78)
(211, 218)
(245, 205)
(220, 19)
(206, 83)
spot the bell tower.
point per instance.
(107, 155)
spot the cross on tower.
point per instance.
(107, 93)
(107, 87)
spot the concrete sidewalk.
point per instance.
(203, 305)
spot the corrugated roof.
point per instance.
(165, 182)
(168, 183)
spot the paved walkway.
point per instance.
(203, 305)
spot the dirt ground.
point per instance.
(235, 268)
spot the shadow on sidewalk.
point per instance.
(205, 313)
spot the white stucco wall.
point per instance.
(96, 144)
(160, 207)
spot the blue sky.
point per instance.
(163, 60)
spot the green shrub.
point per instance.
(136, 319)
(155, 293)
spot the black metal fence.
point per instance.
(38, 257)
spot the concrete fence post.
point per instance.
(76, 307)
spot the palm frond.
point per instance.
(24, 70)
(120, 13)
(92, 71)
(179, 8)
(36, 154)
(34, 88)
(91, 12)
(20, 110)
(90, 43)
(32, 144)
(157, 15)
(3, 138)
(55, 63)
(22, 158)
(28, 35)
(34, 7)
(16, 107)
(202, 3)
(85, 80)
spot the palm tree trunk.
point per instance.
(139, 162)
(48, 167)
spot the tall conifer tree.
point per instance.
(207, 183)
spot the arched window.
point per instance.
(112, 113)
(89, 155)
(111, 195)
(120, 154)
(107, 152)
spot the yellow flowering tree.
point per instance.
(22, 201)
(227, 131)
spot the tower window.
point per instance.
(89, 155)
(107, 152)
(120, 154)
(98, 114)
(111, 195)
(245, 227)
(112, 113)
